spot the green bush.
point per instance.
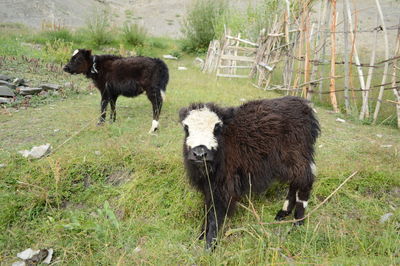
(199, 26)
(57, 51)
(133, 34)
(98, 28)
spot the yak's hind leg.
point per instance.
(303, 194)
(103, 107)
(289, 203)
(113, 103)
(156, 101)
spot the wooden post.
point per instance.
(385, 70)
(307, 54)
(332, 86)
(364, 110)
(396, 92)
(357, 59)
(325, 38)
(346, 58)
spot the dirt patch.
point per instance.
(119, 177)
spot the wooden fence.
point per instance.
(299, 45)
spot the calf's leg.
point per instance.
(113, 114)
(156, 100)
(103, 108)
(289, 203)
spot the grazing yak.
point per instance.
(115, 76)
(231, 151)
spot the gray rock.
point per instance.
(8, 84)
(43, 93)
(49, 86)
(29, 91)
(19, 82)
(6, 92)
(385, 217)
(37, 151)
(5, 77)
(5, 100)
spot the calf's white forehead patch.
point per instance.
(201, 124)
(75, 52)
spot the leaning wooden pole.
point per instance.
(385, 69)
(332, 87)
(346, 58)
(356, 58)
(396, 91)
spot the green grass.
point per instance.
(117, 195)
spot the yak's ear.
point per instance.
(86, 53)
(182, 113)
(228, 114)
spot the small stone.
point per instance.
(37, 151)
(6, 92)
(321, 145)
(8, 84)
(385, 217)
(5, 100)
(137, 249)
(56, 130)
(387, 146)
(5, 77)
(19, 82)
(2, 165)
(97, 153)
(19, 263)
(379, 135)
(182, 68)
(340, 120)
(49, 86)
(29, 91)
(43, 93)
(168, 56)
(242, 99)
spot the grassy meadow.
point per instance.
(115, 195)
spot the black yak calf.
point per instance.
(230, 151)
(115, 76)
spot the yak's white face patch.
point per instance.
(75, 52)
(201, 124)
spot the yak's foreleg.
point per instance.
(215, 219)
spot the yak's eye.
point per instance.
(217, 128)
(186, 128)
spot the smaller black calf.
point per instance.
(129, 76)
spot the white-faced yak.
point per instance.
(115, 76)
(230, 151)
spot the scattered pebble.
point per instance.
(321, 145)
(182, 68)
(34, 257)
(137, 249)
(37, 151)
(340, 120)
(97, 152)
(242, 99)
(2, 165)
(387, 146)
(168, 56)
(379, 135)
(385, 217)
(56, 130)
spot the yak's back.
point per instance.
(263, 125)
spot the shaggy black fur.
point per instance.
(259, 142)
(115, 76)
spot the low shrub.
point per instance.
(133, 34)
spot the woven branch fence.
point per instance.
(300, 53)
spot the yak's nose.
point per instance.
(200, 152)
(66, 68)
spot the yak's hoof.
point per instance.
(100, 123)
(281, 215)
(298, 223)
(154, 127)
